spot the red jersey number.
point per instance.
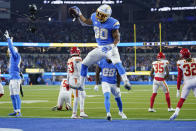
(190, 69)
(159, 68)
(65, 85)
(70, 67)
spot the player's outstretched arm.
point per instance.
(10, 44)
(116, 36)
(152, 73)
(75, 12)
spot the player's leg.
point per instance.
(82, 99)
(115, 58)
(75, 104)
(1, 90)
(14, 87)
(116, 92)
(106, 91)
(154, 94)
(94, 56)
(68, 100)
(167, 96)
(59, 102)
(185, 91)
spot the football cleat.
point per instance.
(18, 114)
(68, 107)
(122, 115)
(173, 117)
(109, 116)
(82, 114)
(151, 110)
(74, 116)
(127, 85)
(12, 114)
(54, 108)
(171, 110)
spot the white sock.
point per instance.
(82, 99)
(177, 110)
(75, 105)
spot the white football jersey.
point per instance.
(64, 86)
(159, 68)
(74, 67)
(188, 68)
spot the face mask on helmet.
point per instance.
(103, 13)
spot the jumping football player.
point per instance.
(64, 96)
(160, 67)
(107, 35)
(1, 86)
(73, 77)
(15, 79)
(110, 83)
(187, 71)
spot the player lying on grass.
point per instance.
(15, 79)
(187, 71)
(64, 97)
(160, 67)
(107, 36)
(110, 83)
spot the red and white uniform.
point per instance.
(74, 68)
(64, 94)
(187, 72)
(1, 86)
(159, 70)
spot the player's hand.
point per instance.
(178, 93)
(96, 88)
(7, 34)
(74, 12)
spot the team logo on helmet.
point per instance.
(160, 55)
(75, 51)
(103, 13)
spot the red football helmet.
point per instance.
(185, 53)
(160, 55)
(75, 51)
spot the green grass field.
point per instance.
(135, 103)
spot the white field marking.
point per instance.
(93, 95)
(10, 129)
(26, 101)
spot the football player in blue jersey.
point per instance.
(110, 83)
(107, 36)
(15, 79)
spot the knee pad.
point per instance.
(84, 70)
(121, 69)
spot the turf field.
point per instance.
(38, 101)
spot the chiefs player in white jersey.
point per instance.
(74, 68)
(160, 67)
(187, 71)
(1, 87)
(64, 96)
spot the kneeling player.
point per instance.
(187, 71)
(64, 97)
(159, 68)
(110, 83)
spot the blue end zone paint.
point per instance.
(43, 124)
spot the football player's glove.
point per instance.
(7, 34)
(74, 12)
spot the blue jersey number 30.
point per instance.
(101, 33)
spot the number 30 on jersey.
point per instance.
(101, 33)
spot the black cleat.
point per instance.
(109, 117)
